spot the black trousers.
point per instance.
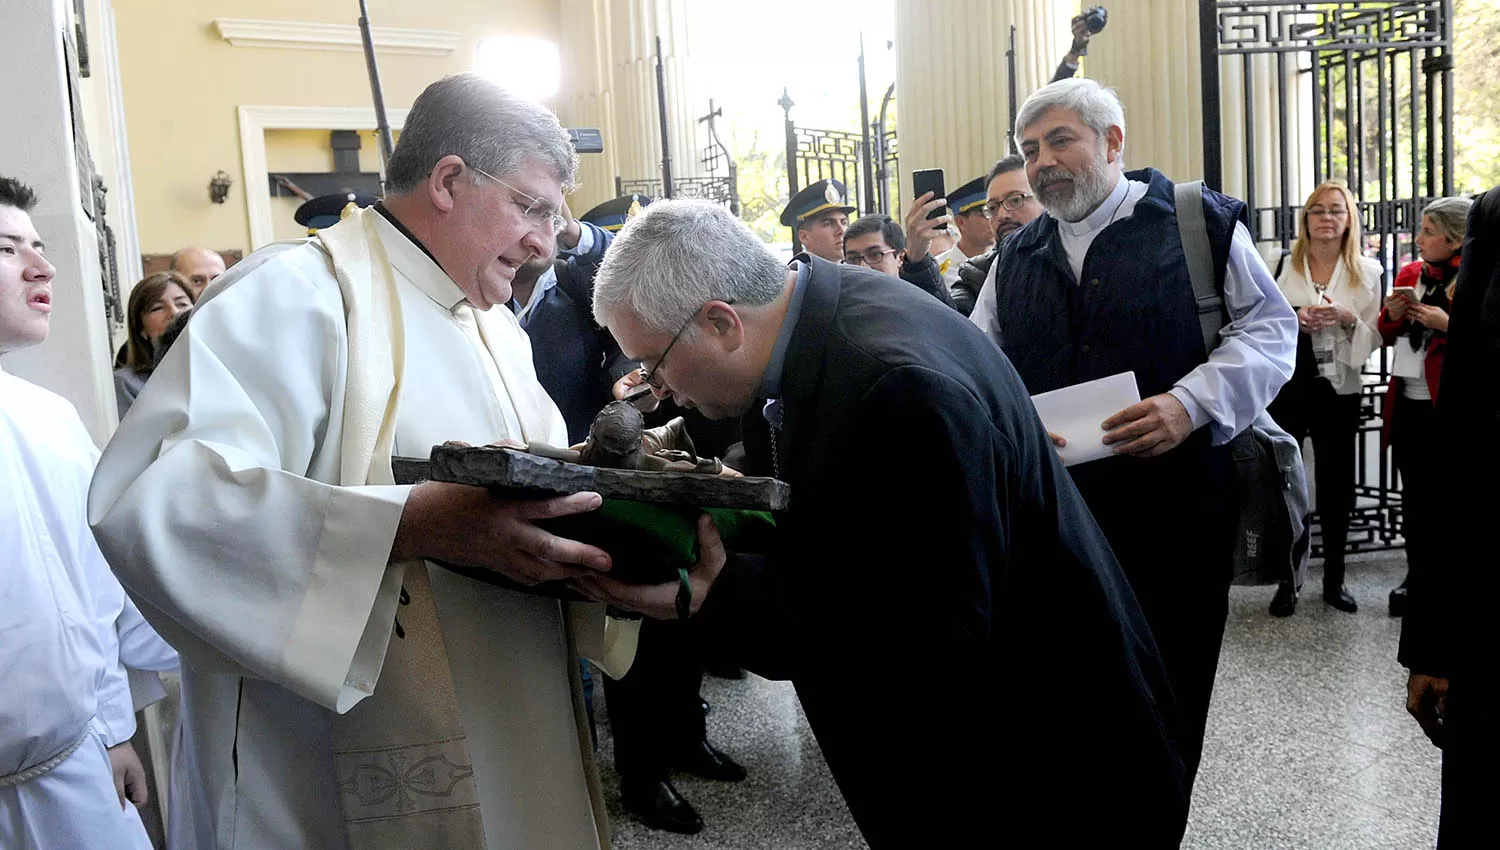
(1172, 529)
(654, 710)
(1470, 753)
(1308, 407)
(1419, 456)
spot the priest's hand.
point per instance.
(471, 527)
(659, 601)
(130, 775)
(1148, 428)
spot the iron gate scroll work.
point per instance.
(721, 188)
(1380, 115)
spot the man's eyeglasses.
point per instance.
(1330, 212)
(869, 256)
(536, 209)
(1011, 203)
(649, 377)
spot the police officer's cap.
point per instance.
(820, 197)
(968, 197)
(326, 210)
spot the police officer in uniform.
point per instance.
(819, 215)
(975, 234)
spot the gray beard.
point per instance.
(1089, 191)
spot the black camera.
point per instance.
(1095, 17)
(586, 140)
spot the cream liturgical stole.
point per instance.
(414, 727)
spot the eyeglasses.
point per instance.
(869, 256)
(1011, 203)
(537, 209)
(1330, 212)
(649, 377)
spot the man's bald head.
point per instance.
(199, 265)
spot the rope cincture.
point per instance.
(46, 767)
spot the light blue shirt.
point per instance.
(1257, 347)
(548, 278)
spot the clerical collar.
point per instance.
(770, 382)
(1102, 215)
(412, 260)
(412, 237)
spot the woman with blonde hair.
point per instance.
(1336, 293)
(1415, 322)
(154, 303)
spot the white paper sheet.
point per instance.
(1408, 363)
(1075, 413)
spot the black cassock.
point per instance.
(966, 649)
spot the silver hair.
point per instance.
(677, 256)
(1097, 106)
(488, 127)
(1450, 216)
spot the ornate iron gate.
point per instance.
(722, 188)
(813, 155)
(1378, 113)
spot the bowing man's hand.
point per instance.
(469, 526)
(130, 775)
(659, 601)
(1151, 427)
(1427, 701)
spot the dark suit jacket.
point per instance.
(1446, 630)
(965, 648)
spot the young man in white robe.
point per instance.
(340, 689)
(68, 774)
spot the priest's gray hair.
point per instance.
(1450, 216)
(1098, 107)
(487, 126)
(677, 256)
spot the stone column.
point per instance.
(609, 57)
(76, 358)
(952, 99)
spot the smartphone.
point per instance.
(1407, 292)
(929, 180)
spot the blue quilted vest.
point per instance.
(1134, 309)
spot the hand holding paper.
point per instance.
(1076, 414)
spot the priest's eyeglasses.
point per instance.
(649, 377)
(1011, 203)
(536, 209)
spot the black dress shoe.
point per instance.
(1398, 601)
(707, 761)
(659, 806)
(1339, 598)
(1284, 603)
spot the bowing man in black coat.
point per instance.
(1010, 693)
(1448, 640)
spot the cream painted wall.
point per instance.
(183, 84)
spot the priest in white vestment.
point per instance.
(338, 689)
(67, 771)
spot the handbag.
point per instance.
(1273, 538)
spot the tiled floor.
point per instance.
(1309, 747)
